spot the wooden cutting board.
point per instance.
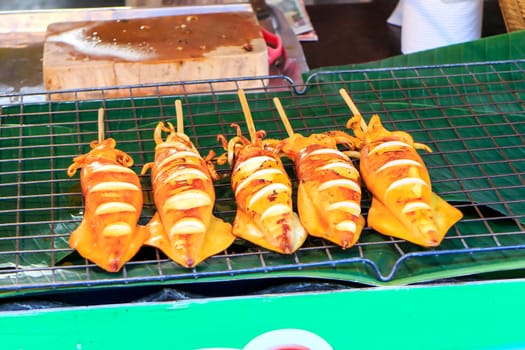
(101, 54)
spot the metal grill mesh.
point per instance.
(471, 115)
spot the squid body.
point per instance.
(108, 234)
(184, 226)
(263, 193)
(329, 192)
(403, 204)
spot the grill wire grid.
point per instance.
(471, 115)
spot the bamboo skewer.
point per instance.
(180, 117)
(247, 115)
(350, 103)
(100, 125)
(282, 114)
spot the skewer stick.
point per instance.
(180, 117)
(100, 124)
(283, 116)
(247, 114)
(350, 103)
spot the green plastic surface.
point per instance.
(471, 316)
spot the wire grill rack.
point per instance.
(471, 115)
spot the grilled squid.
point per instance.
(184, 227)
(108, 234)
(403, 204)
(329, 190)
(263, 193)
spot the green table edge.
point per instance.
(482, 315)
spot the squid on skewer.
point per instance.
(263, 193)
(184, 226)
(108, 234)
(263, 190)
(329, 190)
(403, 204)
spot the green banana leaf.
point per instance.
(470, 114)
(508, 46)
(26, 186)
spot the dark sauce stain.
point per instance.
(169, 37)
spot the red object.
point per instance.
(274, 44)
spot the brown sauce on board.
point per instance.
(156, 38)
